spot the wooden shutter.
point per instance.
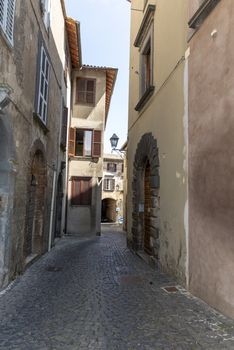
(86, 191)
(105, 184)
(75, 190)
(81, 191)
(64, 128)
(80, 90)
(90, 93)
(112, 187)
(97, 143)
(72, 142)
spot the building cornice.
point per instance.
(144, 25)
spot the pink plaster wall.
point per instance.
(211, 160)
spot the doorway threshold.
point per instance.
(30, 259)
(149, 259)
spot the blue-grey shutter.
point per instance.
(39, 43)
(10, 20)
(1, 12)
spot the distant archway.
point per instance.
(34, 240)
(108, 210)
(145, 187)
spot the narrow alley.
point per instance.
(96, 294)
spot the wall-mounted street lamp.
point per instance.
(114, 142)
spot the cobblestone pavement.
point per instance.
(95, 294)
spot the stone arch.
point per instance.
(37, 181)
(146, 168)
(109, 209)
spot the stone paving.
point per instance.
(95, 294)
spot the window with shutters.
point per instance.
(109, 184)
(81, 191)
(43, 88)
(85, 91)
(85, 143)
(7, 11)
(112, 167)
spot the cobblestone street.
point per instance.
(95, 294)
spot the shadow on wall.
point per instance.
(211, 183)
(7, 183)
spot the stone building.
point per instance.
(34, 104)
(91, 97)
(211, 150)
(157, 143)
(112, 188)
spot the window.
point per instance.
(85, 143)
(42, 102)
(146, 68)
(7, 10)
(109, 184)
(122, 167)
(85, 91)
(81, 192)
(144, 41)
(112, 167)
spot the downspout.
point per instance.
(52, 210)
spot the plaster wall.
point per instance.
(211, 160)
(86, 220)
(163, 116)
(90, 114)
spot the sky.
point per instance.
(105, 33)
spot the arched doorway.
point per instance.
(108, 210)
(145, 225)
(33, 244)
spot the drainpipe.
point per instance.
(52, 211)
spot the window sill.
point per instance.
(85, 104)
(202, 13)
(39, 122)
(148, 93)
(109, 190)
(80, 205)
(89, 159)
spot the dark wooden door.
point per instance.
(147, 247)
